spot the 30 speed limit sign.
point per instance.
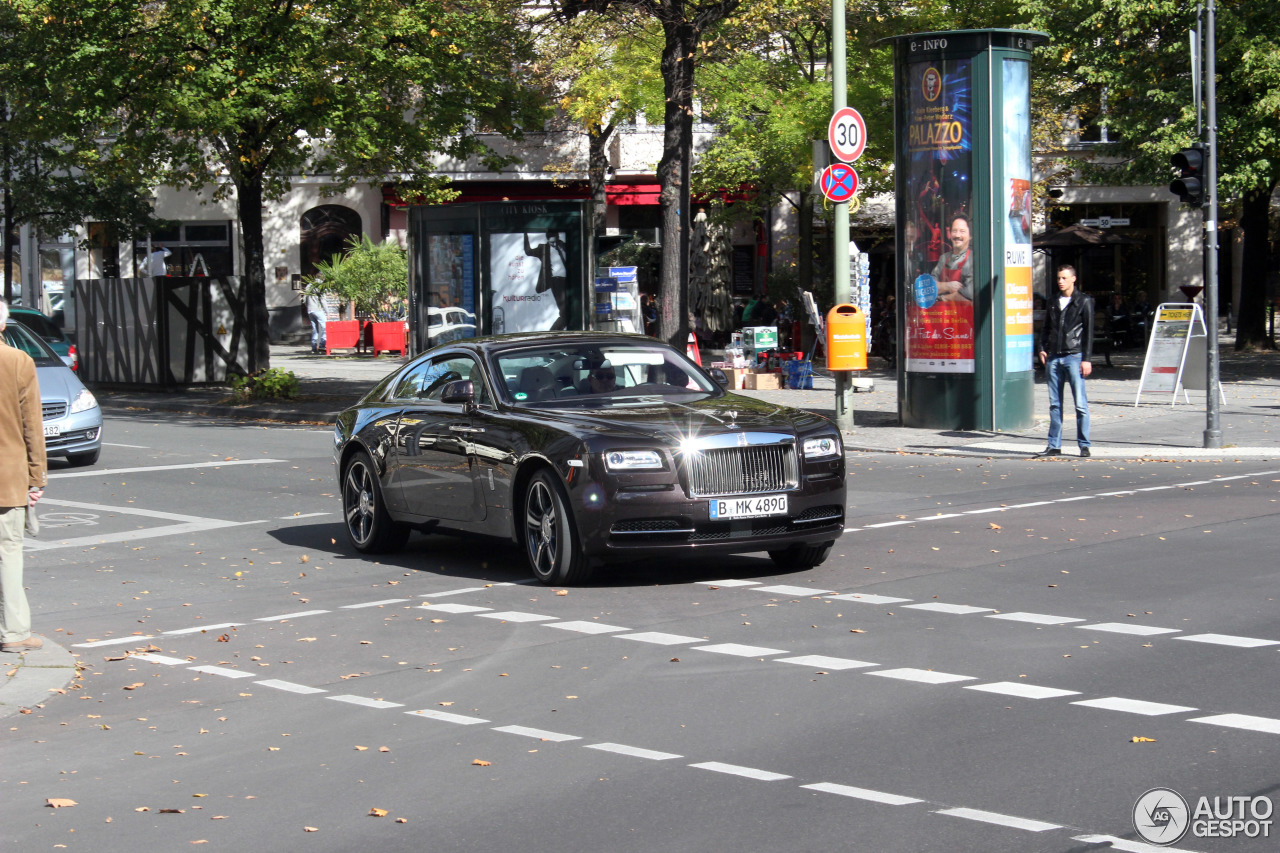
(847, 134)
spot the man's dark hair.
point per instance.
(1068, 268)
(961, 216)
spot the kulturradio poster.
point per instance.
(528, 281)
(1016, 184)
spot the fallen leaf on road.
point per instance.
(135, 685)
(384, 749)
(562, 592)
(200, 841)
(675, 660)
(304, 559)
(995, 526)
(1143, 740)
(142, 809)
(361, 748)
(376, 812)
(480, 763)
(273, 749)
(173, 811)
(856, 631)
(225, 638)
(309, 829)
(306, 639)
(59, 803)
(402, 820)
(199, 795)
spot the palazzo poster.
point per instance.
(938, 230)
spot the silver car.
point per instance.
(72, 419)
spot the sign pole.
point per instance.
(1213, 430)
(840, 239)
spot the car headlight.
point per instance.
(83, 402)
(633, 460)
(818, 448)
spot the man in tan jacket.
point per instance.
(22, 479)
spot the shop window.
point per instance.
(187, 249)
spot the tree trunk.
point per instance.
(804, 249)
(677, 77)
(249, 205)
(597, 168)
(1251, 329)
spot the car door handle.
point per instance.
(460, 428)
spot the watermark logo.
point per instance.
(1161, 816)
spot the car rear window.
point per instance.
(40, 324)
(18, 336)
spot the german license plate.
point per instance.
(752, 507)
(52, 430)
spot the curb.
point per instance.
(28, 679)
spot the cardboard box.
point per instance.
(737, 378)
(764, 381)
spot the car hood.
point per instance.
(57, 382)
(674, 421)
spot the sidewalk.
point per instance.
(1249, 419)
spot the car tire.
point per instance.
(89, 457)
(550, 536)
(800, 557)
(369, 527)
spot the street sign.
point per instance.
(839, 182)
(847, 134)
(1176, 353)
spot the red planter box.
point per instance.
(388, 337)
(341, 334)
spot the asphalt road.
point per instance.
(968, 672)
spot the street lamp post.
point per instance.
(840, 236)
(1213, 430)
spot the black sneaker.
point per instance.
(1050, 451)
(1084, 451)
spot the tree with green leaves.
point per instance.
(601, 70)
(684, 24)
(1137, 53)
(246, 95)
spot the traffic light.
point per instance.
(1190, 183)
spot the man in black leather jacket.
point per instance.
(1066, 347)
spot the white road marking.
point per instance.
(924, 676)
(1115, 494)
(199, 629)
(1022, 691)
(739, 650)
(825, 662)
(940, 516)
(132, 446)
(1027, 506)
(374, 603)
(1082, 498)
(783, 589)
(660, 638)
(1133, 706)
(736, 770)
(130, 535)
(1242, 721)
(1127, 846)
(111, 472)
(119, 641)
(446, 717)
(726, 583)
(1228, 640)
(1155, 488)
(1128, 628)
(221, 670)
(163, 659)
(304, 515)
(540, 734)
(289, 686)
(584, 627)
(867, 598)
(1000, 819)
(862, 794)
(890, 523)
(285, 616)
(939, 607)
(462, 591)
(364, 701)
(633, 751)
(515, 616)
(1035, 618)
(454, 608)
(988, 509)
(1195, 483)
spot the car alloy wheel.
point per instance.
(550, 538)
(369, 527)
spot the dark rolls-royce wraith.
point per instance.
(584, 448)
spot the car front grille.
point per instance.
(53, 410)
(742, 470)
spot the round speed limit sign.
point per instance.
(847, 134)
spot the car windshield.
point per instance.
(19, 336)
(599, 373)
(39, 324)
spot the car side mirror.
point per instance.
(717, 376)
(459, 391)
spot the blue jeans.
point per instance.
(1058, 370)
(317, 331)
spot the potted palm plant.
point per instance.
(374, 279)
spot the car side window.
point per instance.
(450, 368)
(410, 385)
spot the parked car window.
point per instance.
(17, 335)
(450, 368)
(568, 373)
